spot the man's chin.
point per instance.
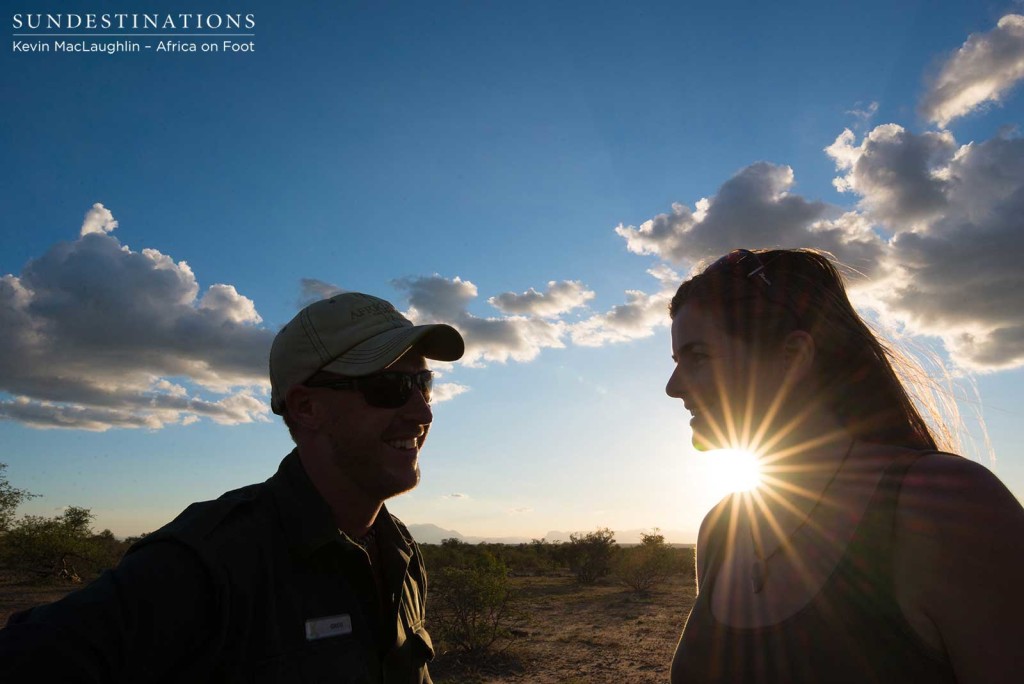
(399, 483)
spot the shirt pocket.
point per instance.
(338, 660)
(422, 644)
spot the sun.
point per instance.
(735, 470)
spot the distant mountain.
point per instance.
(427, 533)
(432, 534)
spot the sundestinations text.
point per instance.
(129, 21)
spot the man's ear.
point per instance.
(302, 410)
(798, 351)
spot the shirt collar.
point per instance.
(307, 518)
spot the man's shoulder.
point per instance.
(234, 515)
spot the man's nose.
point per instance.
(417, 408)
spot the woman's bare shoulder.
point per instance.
(959, 561)
(955, 493)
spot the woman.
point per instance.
(866, 555)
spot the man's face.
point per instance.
(377, 449)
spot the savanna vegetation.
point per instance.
(583, 610)
(586, 610)
(61, 548)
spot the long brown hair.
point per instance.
(801, 289)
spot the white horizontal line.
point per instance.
(127, 35)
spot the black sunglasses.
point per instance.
(736, 258)
(388, 389)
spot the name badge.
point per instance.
(334, 625)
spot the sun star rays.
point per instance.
(778, 469)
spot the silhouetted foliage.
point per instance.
(62, 547)
(450, 552)
(647, 565)
(49, 547)
(128, 541)
(10, 498)
(471, 601)
(529, 560)
(687, 562)
(590, 555)
(587, 556)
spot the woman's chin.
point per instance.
(702, 435)
(702, 442)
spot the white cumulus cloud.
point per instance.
(98, 220)
(960, 275)
(94, 335)
(435, 299)
(447, 391)
(900, 176)
(753, 209)
(937, 230)
(637, 318)
(560, 298)
(535, 324)
(982, 71)
(314, 290)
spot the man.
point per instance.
(305, 577)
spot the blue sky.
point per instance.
(510, 168)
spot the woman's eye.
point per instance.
(694, 358)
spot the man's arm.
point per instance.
(153, 616)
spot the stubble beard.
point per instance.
(364, 469)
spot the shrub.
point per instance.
(529, 560)
(471, 604)
(10, 499)
(48, 547)
(590, 555)
(62, 547)
(647, 565)
(450, 552)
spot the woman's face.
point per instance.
(729, 390)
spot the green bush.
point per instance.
(49, 547)
(471, 604)
(446, 554)
(521, 560)
(590, 555)
(643, 567)
(10, 499)
(529, 560)
(62, 547)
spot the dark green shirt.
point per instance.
(256, 586)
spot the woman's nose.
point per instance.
(675, 387)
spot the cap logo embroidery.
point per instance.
(376, 309)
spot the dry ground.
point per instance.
(16, 595)
(572, 634)
(567, 633)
